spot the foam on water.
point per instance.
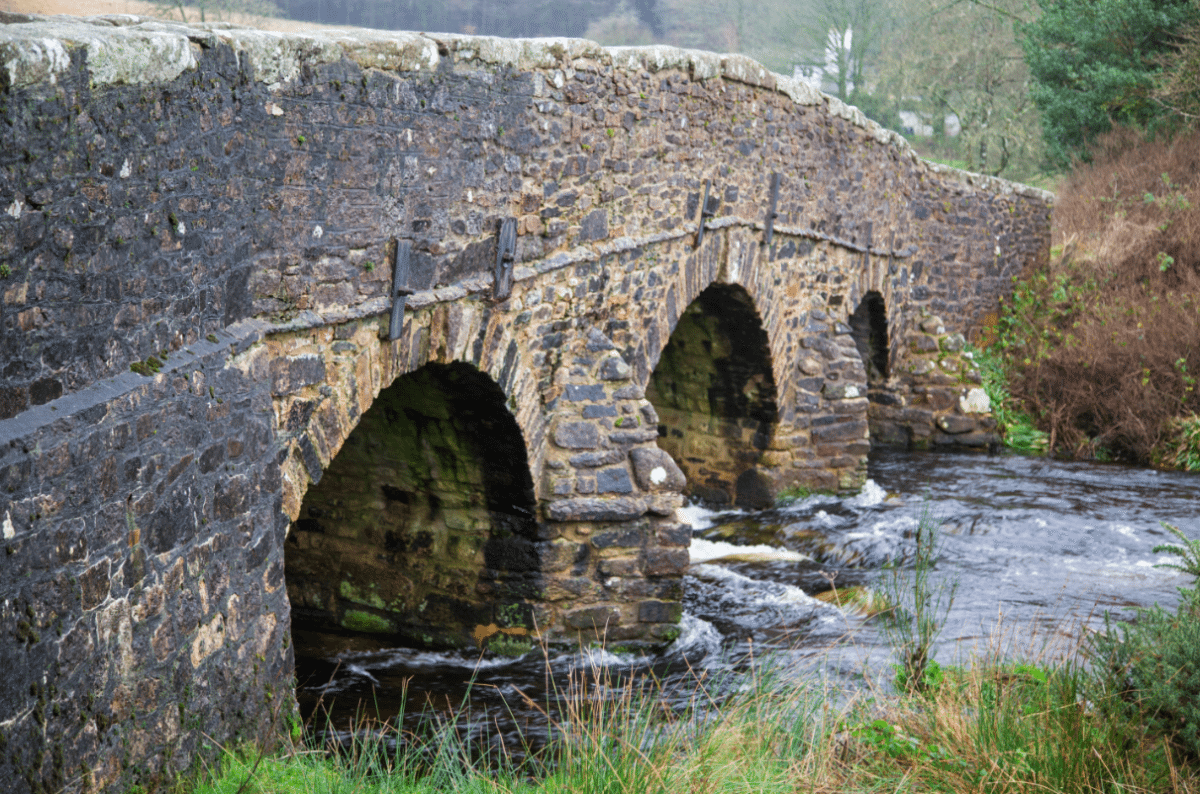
(757, 592)
(700, 517)
(709, 550)
(870, 495)
(594, 659)
(696, 636)
(407, 657)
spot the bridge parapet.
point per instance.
(198, 231)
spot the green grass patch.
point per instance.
(1018, 429)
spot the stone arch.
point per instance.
(325, 379)
(424, 525)
(714, 391)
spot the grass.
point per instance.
(1018, 428)
(995, 726)
(1039, 720)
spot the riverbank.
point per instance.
(1112, 711)
(1013, 726)
(1097, 345)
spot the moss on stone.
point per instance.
(366, 622)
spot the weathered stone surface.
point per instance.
(655, 470)
(953, 423)
(953, 343)
(615, 368)
(592, 618)
(613, 480)
(933, 325)
(619, 508)
(576, 392)
(589, 460)
(665, 562)
(660, 611)
(577, 435)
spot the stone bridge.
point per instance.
(425, 337)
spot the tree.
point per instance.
(840, 36)
(1094, 62)
(962, 61)
(1178, 85)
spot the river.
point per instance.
(1039, 549)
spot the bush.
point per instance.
(1103, 343)
(1149, 671)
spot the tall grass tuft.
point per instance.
(919, 608)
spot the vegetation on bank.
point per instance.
(1118, 714)
(1100, 347)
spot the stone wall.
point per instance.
(198, 231)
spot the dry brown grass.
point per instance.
(1107, 338)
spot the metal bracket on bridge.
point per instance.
(506, 252)
(704, 213)
(771, 213)
(402, 250)
(867, 247)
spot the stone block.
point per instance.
(954, 343)
(811, 367)
(613, 508)
(577, 435)
(655, 470)
(842, 391)
(613, 480)
(664, 504)
(615, 368)
(660, 612)
(850, 430)
(596, 618)
(955, 423)
(888, 432)
(640, 436)
(589, 392)
(941, 398)
(290, 375)
(591, 460)
(560, 555)
(665, 561)
(625, 537)
(772, 458)
(620, 566)
(933, 325)
(923, 344)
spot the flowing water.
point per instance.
(1039, 549)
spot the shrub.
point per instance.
(1103, 342)
(1149, 671)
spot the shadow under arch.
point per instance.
(869, 328)
(714, 391)
(422, 528)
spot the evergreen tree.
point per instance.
(1093, 63)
